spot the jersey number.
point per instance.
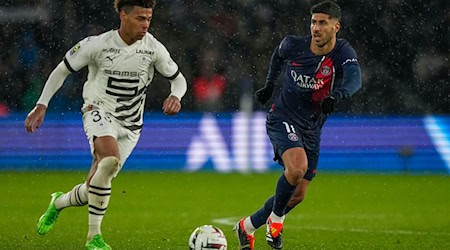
(289, 128)
(96, 116)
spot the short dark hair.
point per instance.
(327, 7)
(124, 4)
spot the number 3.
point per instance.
(97, 117)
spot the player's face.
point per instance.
(323, 29)
(135, 23)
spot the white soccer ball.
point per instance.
(207, 237)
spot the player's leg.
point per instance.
(312, 144)
(295, 162)
(102, 131)
(105, 167)
(76, 197)
(102, 177)
(298, 196)
(259, 218)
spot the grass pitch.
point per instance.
(159, 210)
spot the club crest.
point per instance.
(293, 137)
(325, 70)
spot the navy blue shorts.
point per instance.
(285, 134)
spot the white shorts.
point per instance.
(98, 123)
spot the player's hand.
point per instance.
(328, 105)
(35, 118)
(171, 105)
(264, 94)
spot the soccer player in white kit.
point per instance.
(121, 66)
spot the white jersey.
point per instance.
(119, 74)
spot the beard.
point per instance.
(322, 41)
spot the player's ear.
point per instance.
(338, 26)
(122, 15)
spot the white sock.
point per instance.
(76, 197)
(275, 218)
(248, 226)
(100, 192)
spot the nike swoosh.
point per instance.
(295, 64)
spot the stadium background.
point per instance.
(398, 120)
(383, 179)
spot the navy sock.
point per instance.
(259, 218)
(283, 193)
(287, 210)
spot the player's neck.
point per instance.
(127, 39)
(320, 51)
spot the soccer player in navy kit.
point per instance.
(319, 70)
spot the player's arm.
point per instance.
(350, 84)
(167, 67)
(172, 104)
(54, 82)
(276, 63)
(351, 81)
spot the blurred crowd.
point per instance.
(224, 47)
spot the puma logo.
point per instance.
(111, 59)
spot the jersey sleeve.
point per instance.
(277, 60)
(285, 47)
(351, 82)
(348, 55)
(80, 54)
(165, 64)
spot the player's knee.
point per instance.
(110, 165)
(297, 171)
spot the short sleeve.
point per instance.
(164, 63)
(80, 54)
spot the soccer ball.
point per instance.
(207, 237)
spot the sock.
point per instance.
(76, 197)
(100, 192)
(275, 218)
(283, 193)
(248, 226)
(287, 210)
(259, 218)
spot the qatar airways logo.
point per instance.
(307, 82)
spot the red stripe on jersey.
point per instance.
(325, 74)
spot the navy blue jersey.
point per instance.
(309, 78)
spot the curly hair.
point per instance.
(125, 4)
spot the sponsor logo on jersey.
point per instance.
(75, 48)
(307, 82)
(325, 70)
(110, 59)
(292, 137)
(122, 73)
(145, 59)
(144, 51)
(111, 50)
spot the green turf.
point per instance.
(159, 210)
